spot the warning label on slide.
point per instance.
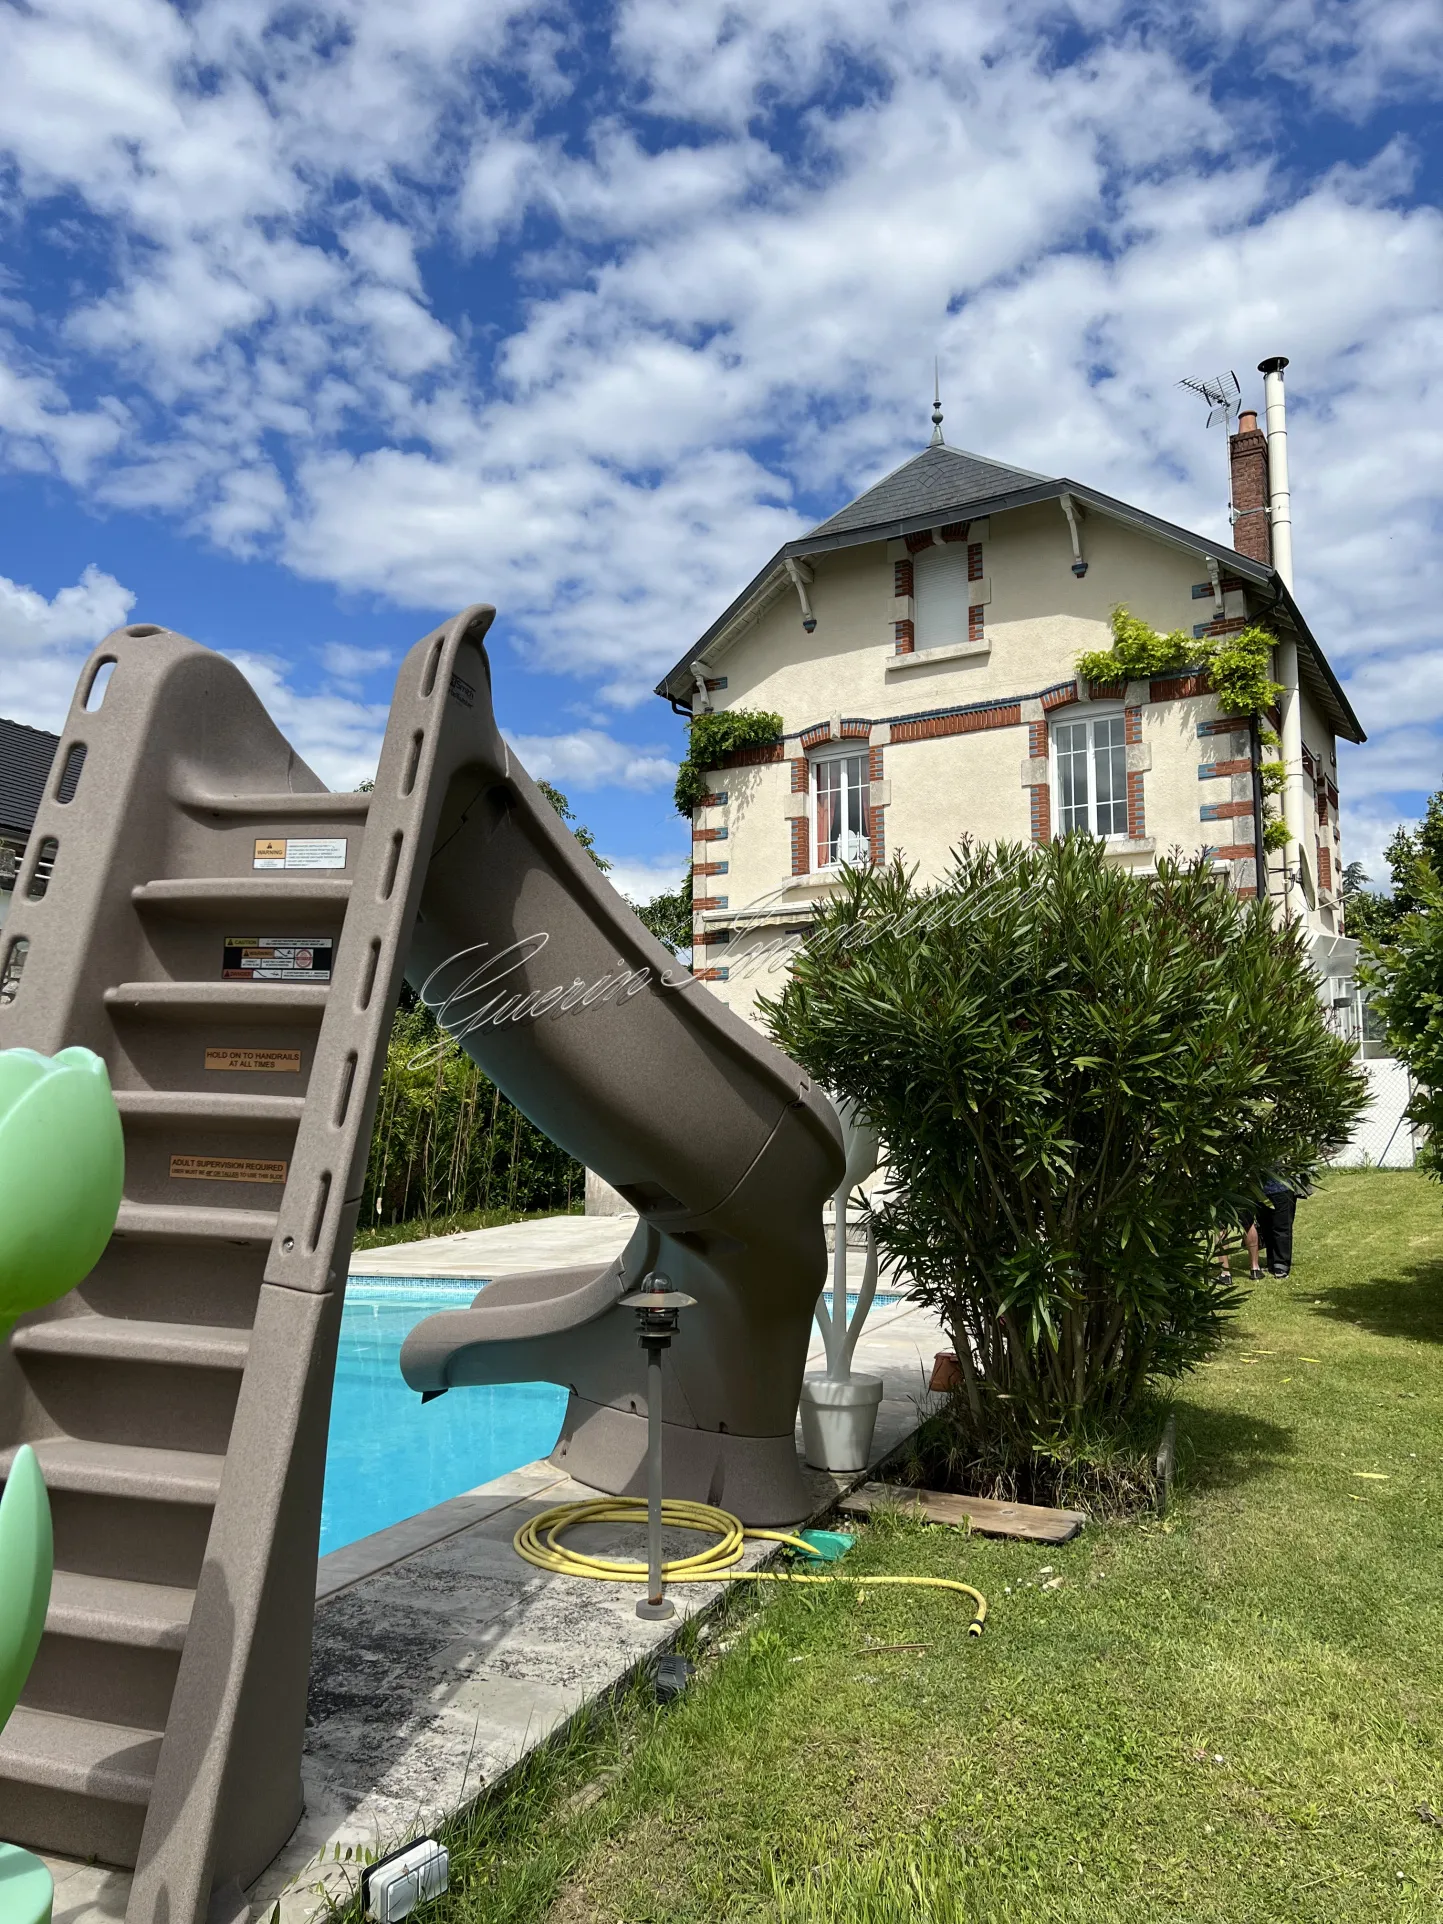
(292, 851)
(253, 1061)
(277, 958)
(226, 1169)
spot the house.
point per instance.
(920, 646)
(25, 758)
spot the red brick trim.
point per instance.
(1216, 770)
(902, 577)
(1040, 811)
(876, 817)
(701, 903)
(1228, 811)
(854, 729)
(710, 938)
(710, 975)
(904, 638)
(917, 542)
(1136, 812)
(801, 829)
(752, 757)
(1236, 851)
(955, 531)
(974, 561)
(1036, 739)
(801, 775)
(709, 868)
(1229, 625)
(714, 800)
(1003, 715)
(818, 733)
(974, 624)
(1107, 690)
(1224, 725)
(708, 835)
(1325, 869)
(1180, 688)
(1060, 697)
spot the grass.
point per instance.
(417, 1227)
(1231, 1714)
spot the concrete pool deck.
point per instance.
(440, 1658)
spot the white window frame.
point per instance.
(819, 759)
(1094, 713)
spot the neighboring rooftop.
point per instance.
(25, 758)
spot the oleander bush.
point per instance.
(1080, 1077)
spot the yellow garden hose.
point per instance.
(539, 1542)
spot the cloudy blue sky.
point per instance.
(317, 322)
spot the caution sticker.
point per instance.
(291, 851)
(255, 1061)
(226, 1169)
(277, 958)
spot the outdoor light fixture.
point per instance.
(658, 1317)
(393, 1887)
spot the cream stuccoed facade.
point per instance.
(920, 647)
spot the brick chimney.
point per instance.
(1249, 450)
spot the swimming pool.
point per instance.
(389, 1455)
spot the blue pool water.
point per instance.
(389, 1455)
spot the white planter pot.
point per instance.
(838, 1420)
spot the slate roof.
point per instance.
(935, 479)
(25, 758)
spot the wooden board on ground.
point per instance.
(987, 1517)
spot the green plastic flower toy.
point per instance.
(62, 1162)
(62, 1165)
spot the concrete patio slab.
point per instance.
(440, 1657)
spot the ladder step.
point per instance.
(180, 1223)
(322, 804)
(202, 1105)
(228, 1001)
(122, 1339)
(201, 895)
(73, 1754)
(147, 1616)
(125, 1470)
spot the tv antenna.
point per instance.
(1222, 394)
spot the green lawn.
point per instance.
(1230, 1715)
(415, 1228)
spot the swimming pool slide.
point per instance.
(230, 937)
(719, 1141)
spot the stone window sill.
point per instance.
(1124, 845)
(931, 657)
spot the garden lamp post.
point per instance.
(658, 1318)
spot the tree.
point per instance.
(1080, 1077)
(1403, 972)
(568, 814)
(668, 915)
(1375, 917)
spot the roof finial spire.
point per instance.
(936, 440)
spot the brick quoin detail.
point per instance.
(917, 542)
(715, 800)
(1041, 812)
(1136, 813)
(1229, 625)
(1180, 687)
(902, 575)
(876, 817)
(800, 864)
(709, 868)
(974, 561)
(1036, 739)
(1224, 725)
(710, 975)
(1060, 697)
(1107, 690)
(800, 774)
(708, 835)
(854, 729)
(904, 638)
(1249, 454)
(710, 938)
(1211, 771)
(1234, 852)
(1225, 811)
(818, 733)
(701, 903)
(1325, 869)
(974, 624)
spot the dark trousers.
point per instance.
(1275, 1228)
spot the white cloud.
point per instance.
(334, 733)
(739, 271)
(639, 880)
(85, 613)
(590, 758)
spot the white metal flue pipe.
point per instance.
(1285, 654)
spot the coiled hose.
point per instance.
(539, 1542)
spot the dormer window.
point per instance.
(939, 578)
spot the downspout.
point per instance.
(1260, 853)
(1285, 653)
